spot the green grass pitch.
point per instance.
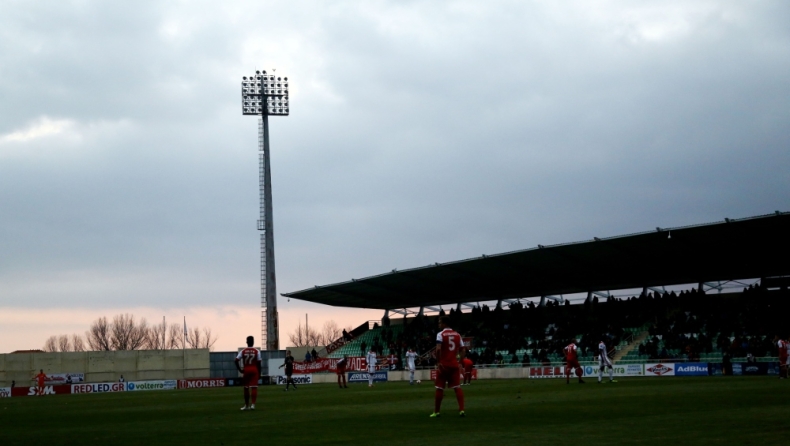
(655, 411)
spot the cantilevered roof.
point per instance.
(733, 249)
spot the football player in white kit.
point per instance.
(371, 360)
(411, 356)
(604, 362)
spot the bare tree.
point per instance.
(98, 335)
(77, 344)
(156, 338)
(175, 336)
(305, 337)
(330, 333)
(209, 339)
(51, 344)
(195, 337)
(125, 334)
(64, 344)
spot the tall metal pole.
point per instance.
(270, 339)
(265, 95)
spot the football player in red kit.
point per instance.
(572, 362)
(250, 358)
(448, 344)
(341, 372)
(40, 381)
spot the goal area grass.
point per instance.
(650, 411)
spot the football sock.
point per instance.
(437, 400)
(254, 395)
(246, 396)
(459, 395)
(411, 376)
(370, 379)
(600, 374)
(611, 373)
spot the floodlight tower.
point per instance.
(265, 95)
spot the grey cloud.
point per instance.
(419, 133)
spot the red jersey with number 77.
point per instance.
(451, 343)
(249, 357)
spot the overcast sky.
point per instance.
(419, 132)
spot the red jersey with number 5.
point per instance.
(451, 343)
(249, 357)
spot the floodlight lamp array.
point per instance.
(264, 94)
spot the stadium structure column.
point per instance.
(265, 95)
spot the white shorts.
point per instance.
(604, 362)
(372, 369)
(411, 369)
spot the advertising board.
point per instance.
(297, 379)
(5, 392)
(47, 390)
(691, 369)
(65, 378)
(547, 372)
(201, 383)
(98, 388)
(715, 369)
(359, 377)
(474, 374)
(618, 370)
(737, 368)
(660, 369)
(136, 386)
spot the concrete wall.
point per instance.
(134, 365)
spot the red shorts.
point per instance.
(447, 377)
(341, 371)
(468, 370)
(782, 360)
(250, 378)
(573, 363)
(40, 383)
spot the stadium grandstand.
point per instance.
(712, 292)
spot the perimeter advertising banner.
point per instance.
(65, 378)
(201, 383)
(97, 388)
(619, 370)
(5, 392)
(297, 379)
(330, 364)
(474, 374)
(692, 369)
(135, 386)
(47, 390)
(362, 377)
(660, 369)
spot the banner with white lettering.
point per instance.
(134, 386)
(359, 377)
(201, 383)
(98, 388)
(617, 369)
(5, 392)
(330, 364)
(35, 391)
